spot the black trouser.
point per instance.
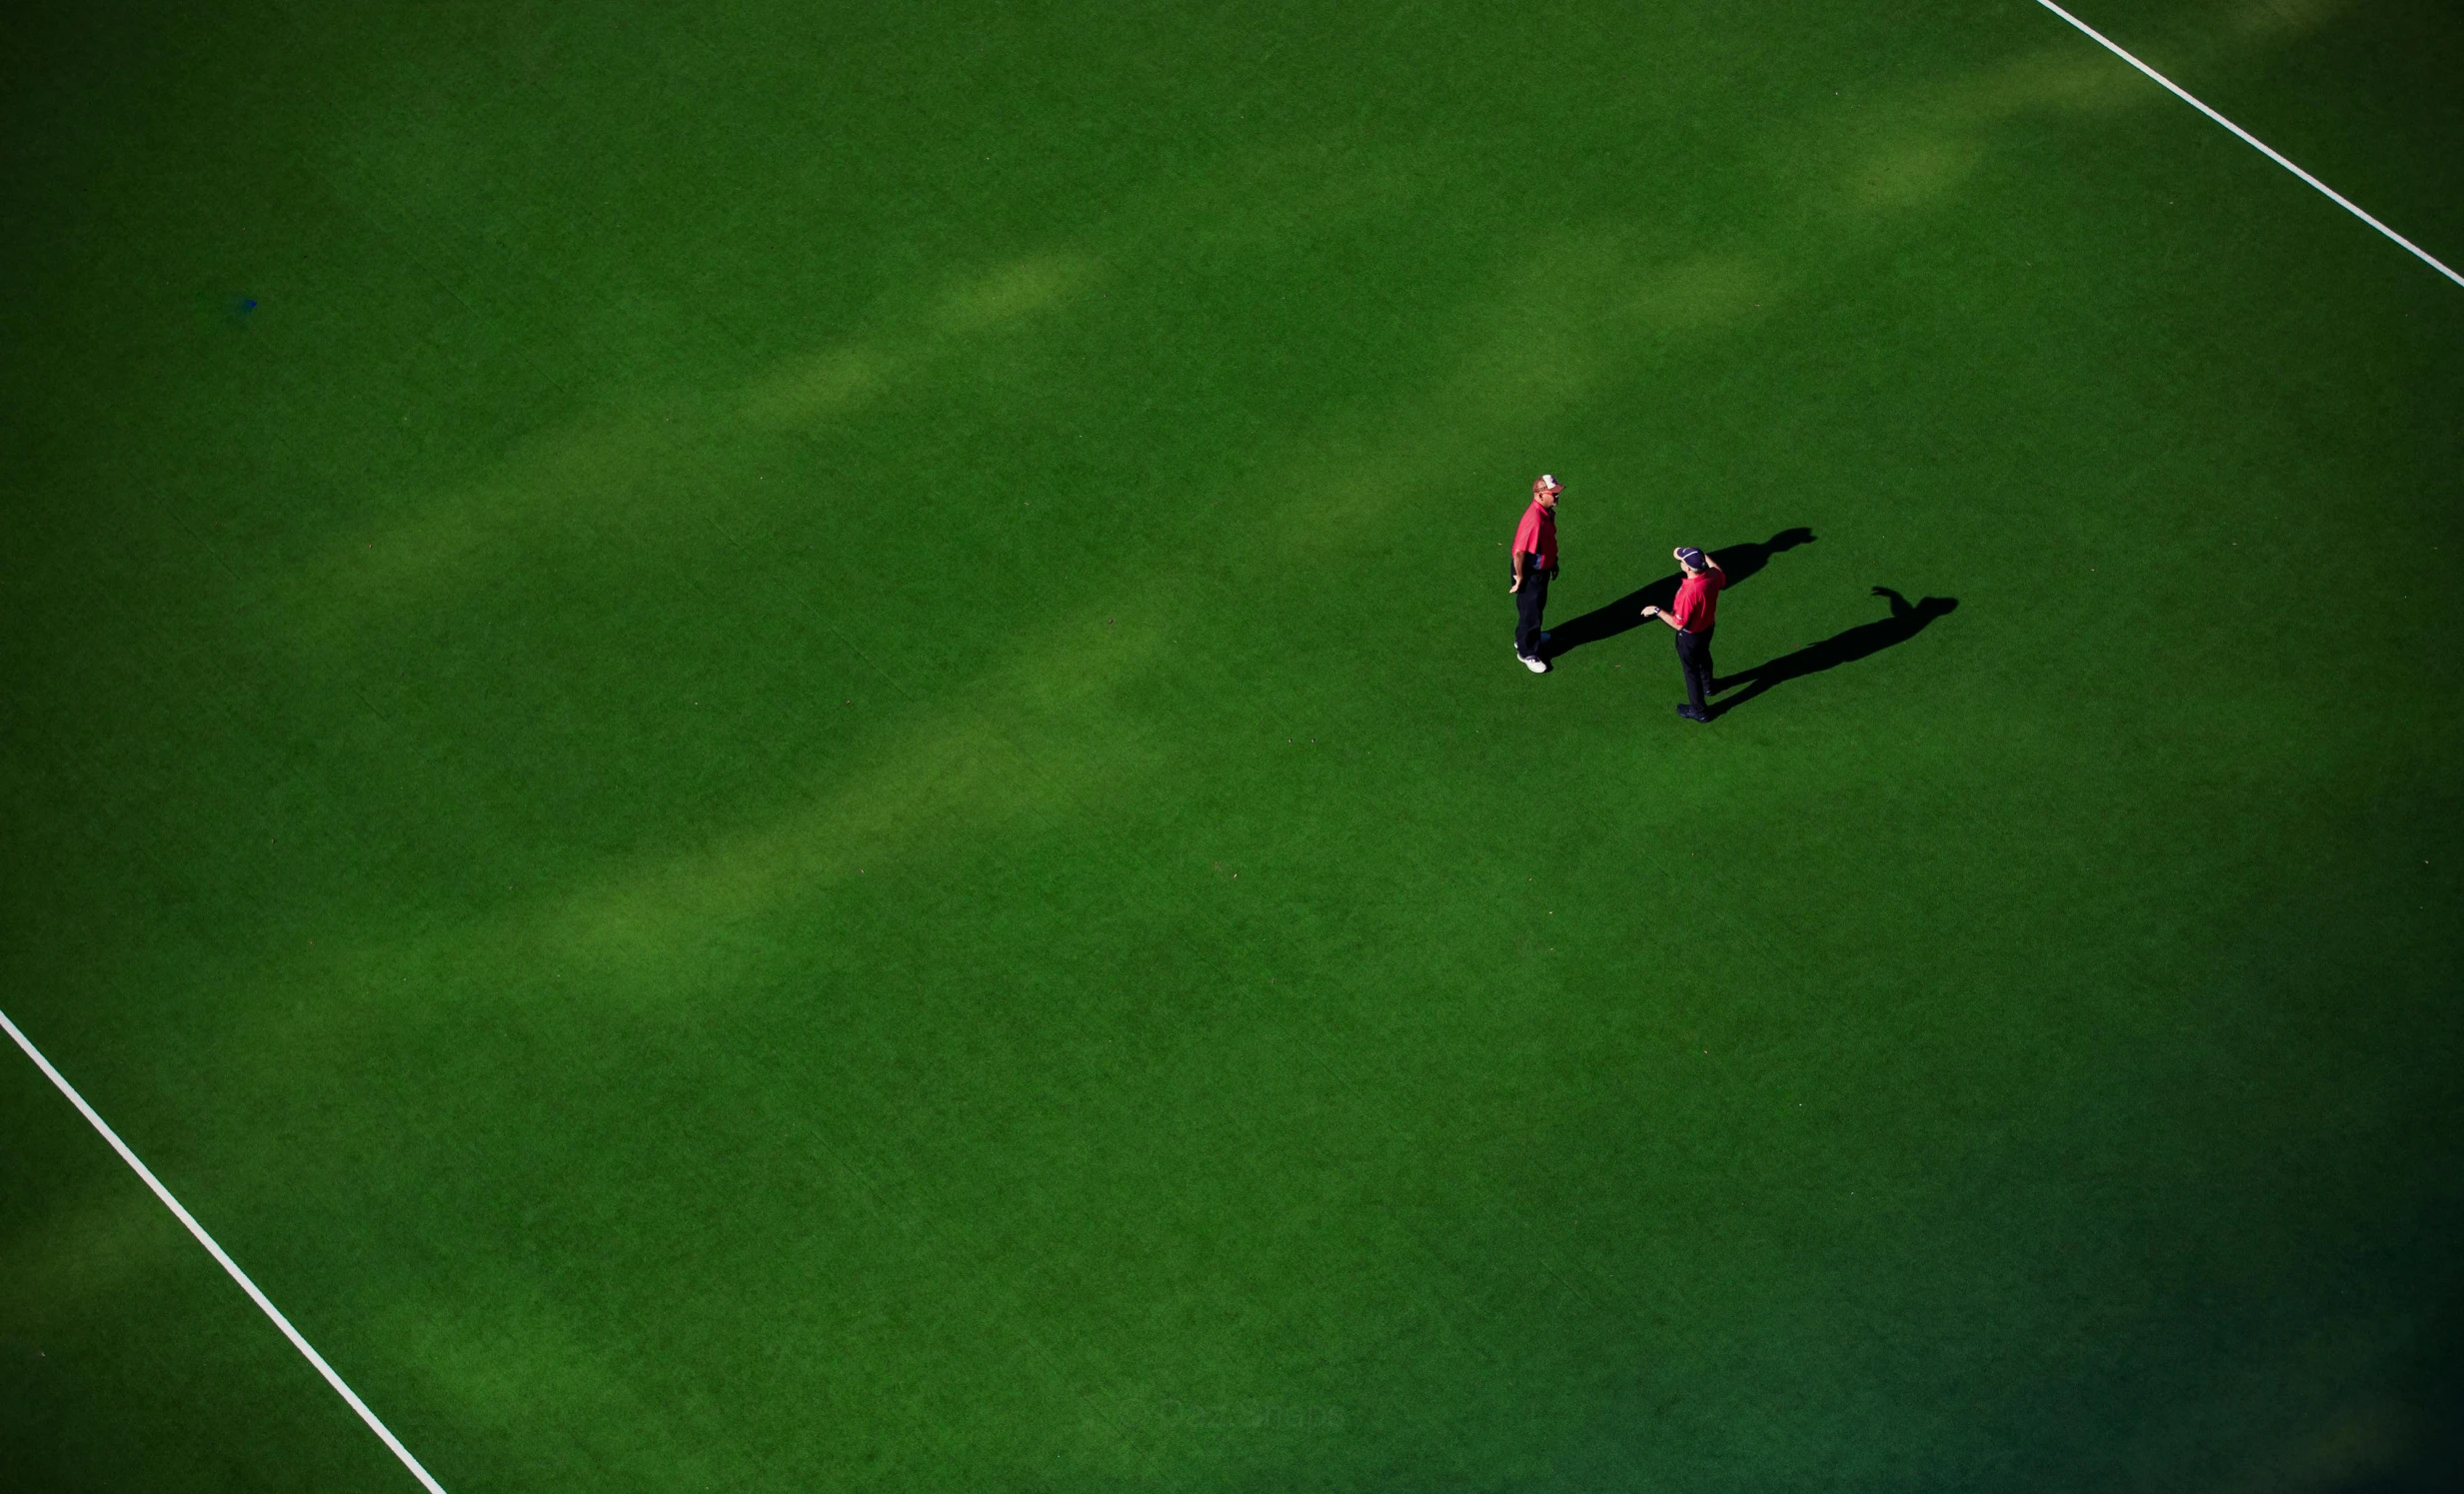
(1694, 657)
(1527, 604)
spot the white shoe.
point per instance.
(1536, 666)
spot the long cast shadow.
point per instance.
(1740, 561)
(1908, 619)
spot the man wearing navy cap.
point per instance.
(1536, 566)
(1692, 614)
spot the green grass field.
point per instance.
(773, 747)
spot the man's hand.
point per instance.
(1650, 611)
(1516, 585)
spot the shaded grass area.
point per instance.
(797, 770)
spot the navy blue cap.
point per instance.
(1693, 558)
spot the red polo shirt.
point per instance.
(1698, 602)
(1537, 533)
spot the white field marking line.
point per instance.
(2261, 146)
(228, 1264)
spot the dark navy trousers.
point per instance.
(1694, 657)
(1529, 604)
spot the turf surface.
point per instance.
(773, 747)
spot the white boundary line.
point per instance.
(2261, 146)
(228, 1264)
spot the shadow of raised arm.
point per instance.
(1908, 619)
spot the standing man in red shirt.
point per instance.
(1536, 566)
(1692, 614)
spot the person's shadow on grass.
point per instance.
(1740, 561)
(1908, 619)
